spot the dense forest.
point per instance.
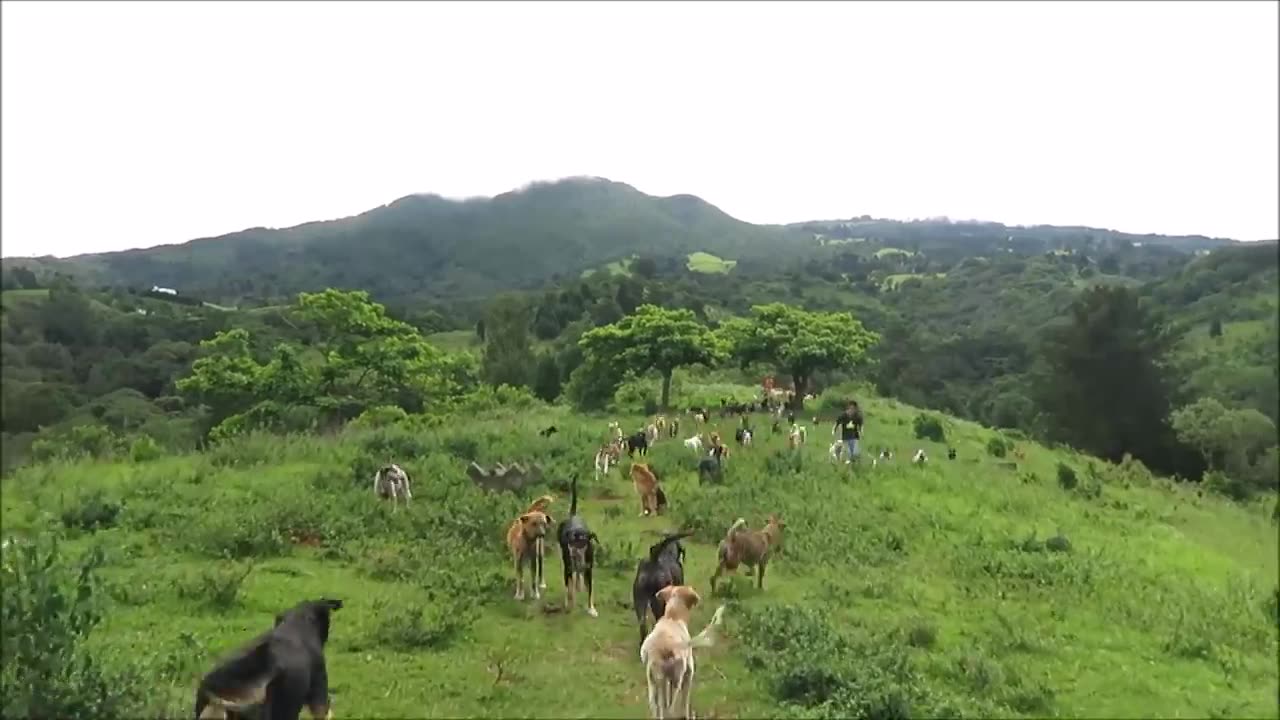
(1165, 348)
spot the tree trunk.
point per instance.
(666, 390)
(801, 385)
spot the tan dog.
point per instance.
(540, 505)
(748, 547)
(667, 653)
(652, 499)
(525, 539)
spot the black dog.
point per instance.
(578, 553)
(638, 443)
(951, 453)
(663, 567)
(549, 431)
(281, 670)
(711, 468)
(673, 427)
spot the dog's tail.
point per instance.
(543, 500)
(705, 639)
(737, 525)
(573, 495)
(656, 551)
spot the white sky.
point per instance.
(135, 124)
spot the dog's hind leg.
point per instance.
(519, 568)
(591, 590)
(542, 580)
(568, 580)
(760, 574)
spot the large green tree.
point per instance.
(1238, 442)
(508, 351)
(798, 342)
(653, 338)
(1100, 383)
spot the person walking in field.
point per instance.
(849, 424)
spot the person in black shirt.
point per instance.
(850, 426)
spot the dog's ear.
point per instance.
(332, 603)
(279, 619)
(664, 594)
(688, 596)
(525, 518)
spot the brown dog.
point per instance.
(748, 547)
(525, 539)
(652, 499)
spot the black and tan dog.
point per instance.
(578, 553)
(663, 567)
(280, 671)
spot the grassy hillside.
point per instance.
(974, 587)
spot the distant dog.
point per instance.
(392, 482)
(645, 480)
(663, 567)
(577, 553)
(796, 437)
(615, 430)
(743, 437)
(651, 434)
(751, 548)
(836, 451)
(280, 671)
(919, 458)
(711, 468)
(667, 653)
(638, 443)
(673, 428)
(549, 431)
(606, 457)
(525, 539)
(951, 453)
(694, 443)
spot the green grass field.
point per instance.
(617, 267)
(707, 263)
(891, 282)
(887, 251)
(934, 586)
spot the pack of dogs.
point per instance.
(282, 671)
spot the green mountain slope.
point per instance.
(425, 246)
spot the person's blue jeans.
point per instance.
(851, 447)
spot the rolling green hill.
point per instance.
(979, 587)
(425, 246)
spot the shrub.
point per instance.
(218, 586)
(1067, 479)
(50, 609)
(928, 427)
(997, 447)
(144, 449)
(80, 441)
(380, 416)
(91, 511)
(434, 625)
(806, 661)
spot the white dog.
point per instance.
(391, 481)
(836, 451)
(667, 653)
(919, 458)
(694, 443)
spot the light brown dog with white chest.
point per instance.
(667, 653)
(526, 539)
(748, 547)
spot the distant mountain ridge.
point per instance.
(427, 246)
